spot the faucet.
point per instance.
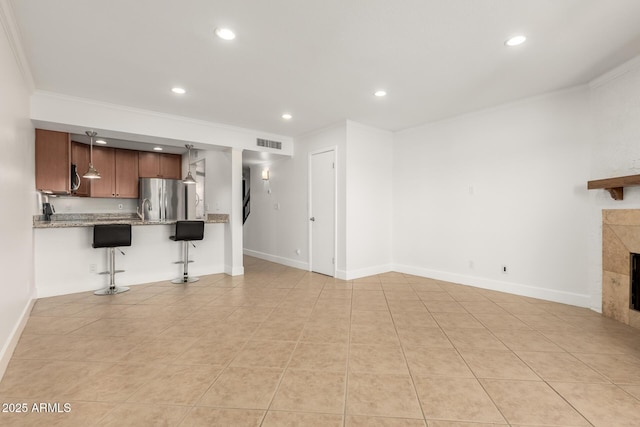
(141, 208)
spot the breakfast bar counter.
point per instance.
(89, 220)
(66, 262)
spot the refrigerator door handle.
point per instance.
(160, 204)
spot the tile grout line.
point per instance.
(346, 379)
(284, 370)
(475, 376)
(404, 356)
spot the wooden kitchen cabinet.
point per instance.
(80, 156)
(104, 160)
(53, 161)
(157, 165)
(126, 183)
(171, 166)
(118, 171)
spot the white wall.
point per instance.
(278, 224)
(275, 234)
(76, 115)
(615, 99)
(505, 186)
(16, 193)
(368, 200)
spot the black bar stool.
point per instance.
(111, 236)
(187, 231)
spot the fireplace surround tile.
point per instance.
(620, 238)
(615, 296)
(621, 216)
(617, 254)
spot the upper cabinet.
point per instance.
(127, 174)
(79, 159)
(61, 163)
(118, 173)
(157, 165)
(171, 166)
(53, 160)
(104, 160)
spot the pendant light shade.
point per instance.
(188, 180)
(91, 173)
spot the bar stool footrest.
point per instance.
(108, 272)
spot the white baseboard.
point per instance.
(233, 271)
(12, 342)
(580, 300)
(363, 272)
(302, 265)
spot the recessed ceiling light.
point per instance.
(515, 41)
(157, 148)
(225, 34)
(380, 93)
(101, 141)
(287, 116)
(178, 90)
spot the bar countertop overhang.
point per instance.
(89, 220)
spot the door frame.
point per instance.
(333, 149)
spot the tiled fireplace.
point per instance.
(620, 240)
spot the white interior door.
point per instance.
(322, 212)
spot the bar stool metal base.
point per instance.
(185, 266)
(185, 280)
(112, 289)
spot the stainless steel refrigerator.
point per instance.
(162, 199)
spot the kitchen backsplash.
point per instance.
(68, 204)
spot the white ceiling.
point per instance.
(321, 60)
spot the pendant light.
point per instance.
(189, 179)
(92, 173)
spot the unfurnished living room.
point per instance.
(337, 213)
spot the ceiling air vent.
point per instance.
(269, 144)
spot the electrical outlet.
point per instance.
(93, 268)
(504, 269)
(120, 206)
(470, 264)
(297, 251)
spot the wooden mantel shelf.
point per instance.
(615, 186)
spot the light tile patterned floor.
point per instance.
(284, 347)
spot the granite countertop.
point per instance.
(89, 220)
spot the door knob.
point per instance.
(313, 218)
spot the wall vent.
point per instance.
(269, 144)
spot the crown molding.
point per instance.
(12, 30)
(616, 73)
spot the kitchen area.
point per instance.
(64, 260)
(84, 180)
